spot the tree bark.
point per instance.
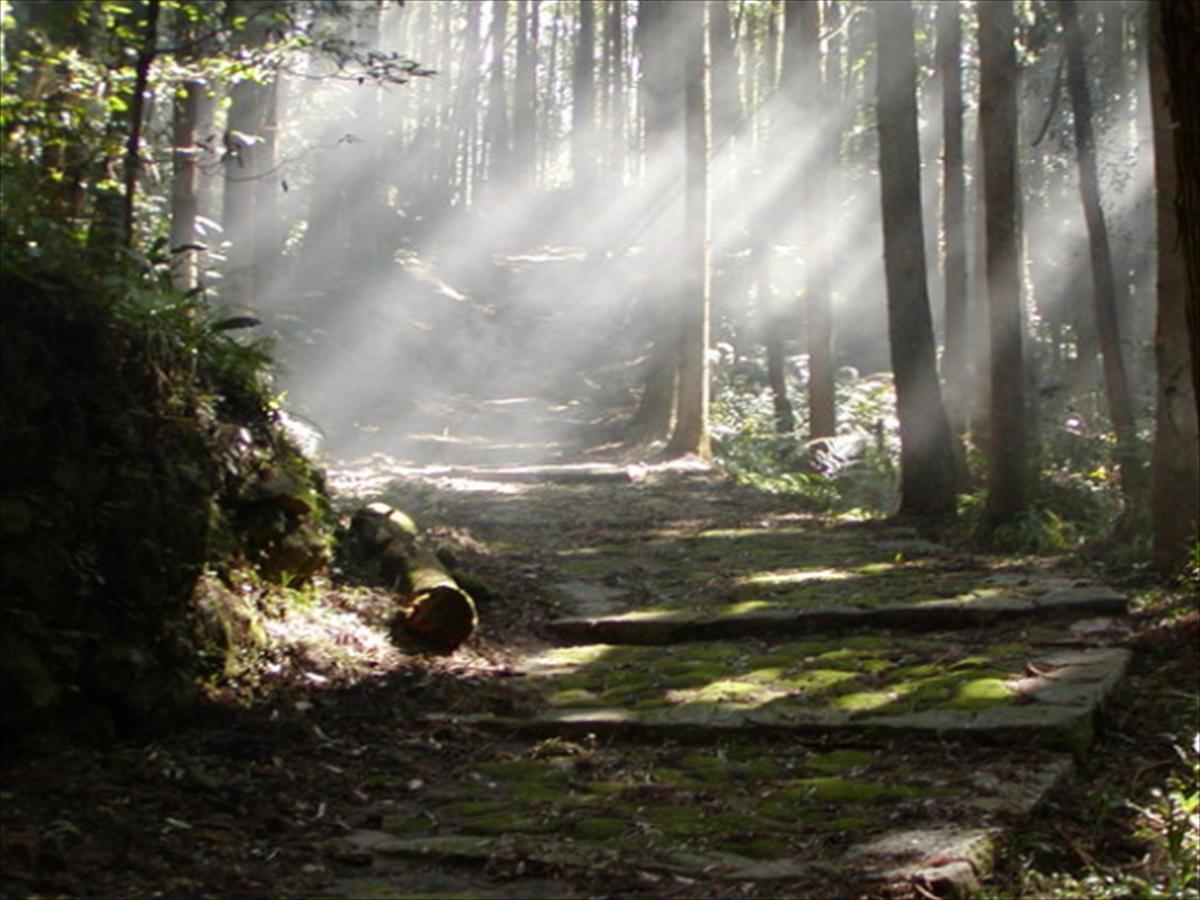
(185, 185)
(1008, 453)
(813, 103)
(525, 93)
(137, 109)
(691, 422)
(1176, 459)
(1116, 383)
(926, 456)
(1179, 33)
(954, 358)
(497, 109)
(583, 101)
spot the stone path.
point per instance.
(741, 699)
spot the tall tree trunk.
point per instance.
(525, 92)
(1179, 33)
(691, 423)
(137, 109)
(185, 185)
(813, 104)
(1176, 461)
(954, 358)
(497, 108)
(1116, 383)
(774, 309)
(583, 105)
(1008, 453)
(655, 414)
(617, 98)
(926, 455)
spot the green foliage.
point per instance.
(853, 471)
(141, 446)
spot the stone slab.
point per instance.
(772, 620)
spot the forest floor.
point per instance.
(680, 688)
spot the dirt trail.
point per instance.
(709, 693)
(680, 689)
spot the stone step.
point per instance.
(782, 817)
(767, 619)
(1001, 691)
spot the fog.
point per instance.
(458, 285)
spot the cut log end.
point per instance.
(444, 615)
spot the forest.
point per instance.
(600, 448)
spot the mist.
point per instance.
(481, 263)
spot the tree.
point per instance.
(691, 423)
(1104, 289)
(247, 158)
(1007, 451)
(926, 454)
(497, 107)
(583, 105)
(525, 93)
(1176, 460)
(1176, 29)
(804, 17)
(655, 414)
(954, 359)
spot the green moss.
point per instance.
(759, 770)
(840, 760)
(599, 828)
(502, 823)
(981, 693)
(848, 823)
(727, 692)
(576, 697)
(710, 766)
(606, 788)
(831, 789)
(755, 847)
(515, 769)
(867, 642)
(815, 681)
(861, 701)
(469, 808)
(418, 824)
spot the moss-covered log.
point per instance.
(437, 608)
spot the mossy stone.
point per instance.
(599, 828)
(840, 760)
(759, 770)
(417, 824)
(831, 789)
(755, 848)
(981, 693)
(861, 701)
(502, 823)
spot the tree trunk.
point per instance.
(583, 103)
(954, 359)
(1176, 479)
(691, 422)
(497, 109)
(926, 455)
(1116, 383)
(185, 185)
(525, 91)
(137, 109)
(1007, 458)
(1178, 30)
(814, 103)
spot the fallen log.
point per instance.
(434, 606)
(437, 608)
